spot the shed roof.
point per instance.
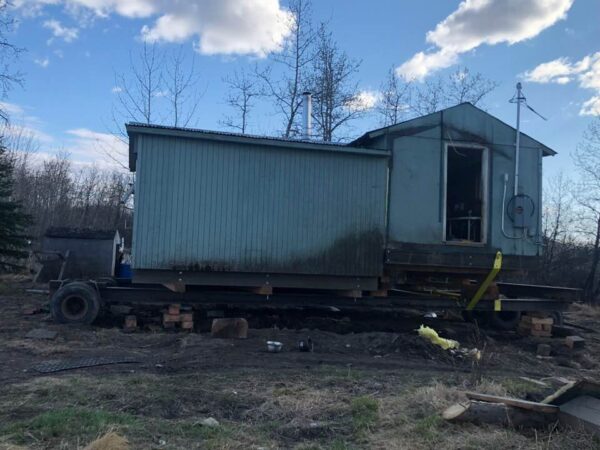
(369, 135)
(134, 128)
(80, 233)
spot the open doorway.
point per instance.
(465, 194)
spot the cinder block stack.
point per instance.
(536, 325)
(176, 316)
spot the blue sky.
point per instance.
(75, 47)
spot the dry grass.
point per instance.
(109, 441)
(591, 312)
(324, 410)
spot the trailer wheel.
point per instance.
(76, 303)
(558, 317)
(506, 320)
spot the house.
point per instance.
(435, 193)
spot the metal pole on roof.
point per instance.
(307, 113)
(519, 99)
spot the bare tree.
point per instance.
(333, 86)
(587, 161)
(181, 88)
(293, 62)
(138, 88)
(458, 87)
(395, 99)
(8, 54)
(557, 221)
(241, 94)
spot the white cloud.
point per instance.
(64, 33)
(478, 22)
(45, 62)
(116, 89)
(255, 27)
(23, 124)
(364, 101)
(586, 72)
(591, 107)
(88, 146)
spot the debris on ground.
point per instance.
(130, 324)
(110, 441)
(78, 363)
(575, 342)
(432, 336)
(481, 412)
(579, 403)
(41, 333)
(543, 350)
(535, 325)
(274, 346)
(229, 328)
(210, 422)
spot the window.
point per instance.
(465, 192)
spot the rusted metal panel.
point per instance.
(208, 205)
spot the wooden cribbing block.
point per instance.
(189, 325)
(263, 290)
(379, 293)
(186, 317)
(174, 309)
(229, 328)
(171, 318)
(130, 323)
(352, 293)
(575, 342)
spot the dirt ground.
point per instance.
(375, 389)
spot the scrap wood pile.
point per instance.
(576, 404)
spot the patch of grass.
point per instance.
(428, 428)
(66, 423)
(518, 387)
(4, 288)
(365, 413)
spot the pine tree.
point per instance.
(13, 221)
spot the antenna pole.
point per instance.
(518, 138)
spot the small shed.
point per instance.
(86, 253)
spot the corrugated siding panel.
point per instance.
(215, 206)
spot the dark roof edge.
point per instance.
(379, 131)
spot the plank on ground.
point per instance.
(517, 403)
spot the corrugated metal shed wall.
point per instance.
(416, 179)
(219, 206)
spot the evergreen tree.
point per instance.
(13, 221)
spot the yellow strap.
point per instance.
(497, 305)
(486, 283)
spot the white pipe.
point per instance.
(307, 115)
(518, 140)
(504, 211)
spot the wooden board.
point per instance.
(517, 403)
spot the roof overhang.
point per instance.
(137, 129)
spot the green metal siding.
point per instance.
(416, 190)
(209, 205)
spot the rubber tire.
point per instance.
(481, 317)
(505, 320)
(559, 318)
(79, 294)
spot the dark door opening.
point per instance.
(465, 194)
